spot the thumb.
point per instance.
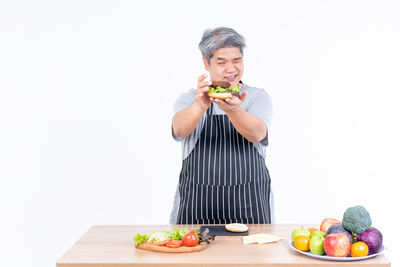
(243, 95)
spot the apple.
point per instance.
(300, 231)
(338, 228)
(337, 245)
(317, 244)
(326, 223)
(318, 233)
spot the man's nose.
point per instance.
(230, 66)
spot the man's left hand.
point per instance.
(230, 104)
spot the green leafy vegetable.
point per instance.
(140, 238)
(177, 234)
(219, 89)
(159, 236)
(235, 88)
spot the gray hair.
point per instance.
(221, 37)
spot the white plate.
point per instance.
(328, 258)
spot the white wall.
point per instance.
(83, 142)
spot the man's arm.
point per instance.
(249, 126)
(185, 121)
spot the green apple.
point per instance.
(318, 233)
(317, 244)
(300, 231)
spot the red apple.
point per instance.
(327, 222)
(337, 245)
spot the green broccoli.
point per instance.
(356, 219)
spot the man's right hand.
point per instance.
(185, 121)
(202, 99)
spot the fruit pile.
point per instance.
(353, 237)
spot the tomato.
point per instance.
(302, 243)
(190, 239)
(359, 249)
(173, 244)
(162, 243)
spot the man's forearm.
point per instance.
(248, 125)
(185, 121)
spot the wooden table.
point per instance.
(109, 246)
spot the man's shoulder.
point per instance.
(184, 100)
(253, 91)
(189, 93)
(187, 96)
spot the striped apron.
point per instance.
(224, 179)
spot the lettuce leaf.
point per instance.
(159, 236)
(218, 89)
(235, 88)
(178, 234)
(140, 238)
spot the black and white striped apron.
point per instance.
(224, 179)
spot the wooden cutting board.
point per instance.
(182, 249)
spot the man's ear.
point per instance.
(206, 66)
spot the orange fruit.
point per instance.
(302, 243)
(312, 230)
(359, 249)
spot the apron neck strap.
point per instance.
(210, 109)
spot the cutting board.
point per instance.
(182, 249)
(221, 230)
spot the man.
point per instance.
(223, 178)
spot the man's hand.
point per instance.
(185, 121)
(202, 99)
(230, 105)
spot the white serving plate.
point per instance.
(328, 258)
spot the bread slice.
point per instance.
(220, 95)
(236, 227)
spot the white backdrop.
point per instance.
(86, 96)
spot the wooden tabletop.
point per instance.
(109, 246)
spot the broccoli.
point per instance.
(356, 219)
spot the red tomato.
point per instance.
(190, 239)
(162, 243)
(173, 244)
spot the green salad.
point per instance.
(158, 236)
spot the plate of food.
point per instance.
(329, 258)
(352, 239)
(174, 241)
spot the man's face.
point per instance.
(226, 65)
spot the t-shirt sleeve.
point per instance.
(261, 107)
(183, 101)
